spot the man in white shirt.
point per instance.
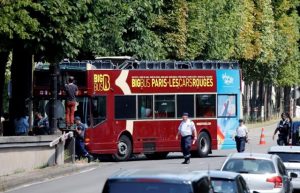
(241, 136)
(188, 133)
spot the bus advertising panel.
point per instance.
(228, 89)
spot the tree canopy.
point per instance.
(263, 35)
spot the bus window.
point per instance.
(125, 107)
(99, 109)
(185, 104)
(145, 107)
(82, 109)
(206, 105)
(164, 106)
(227, 105)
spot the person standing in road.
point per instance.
(79, 140)
(71, 92)
(283, 127)
(241, 136)
(188, 133)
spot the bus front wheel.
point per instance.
(124, 149)
(204, 144)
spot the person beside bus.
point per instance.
(40, 125)
(21, 124)
(241, 136)
(71, 90)
(188, 133)
(79, 140)
(283, 127)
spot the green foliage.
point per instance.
(172, 27)
(262, 34)
(197, 34)
(287, 36)
(222, 22)
(16, 22)
(123, 28)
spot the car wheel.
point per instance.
(124, 149)
(204, 144)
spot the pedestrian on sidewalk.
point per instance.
(79, 140)
(188, 133)
(241, 136)
(71, 90)
(284, 128)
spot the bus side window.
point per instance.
(125, 107)
(206, 105)
(165, 106)
(99, 109)
(185, 104)
(145, 107)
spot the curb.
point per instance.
(40, 175)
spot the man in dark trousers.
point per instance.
(241, 136)
(188, 133)
(71, 90)
(79, 140)
(284, 128)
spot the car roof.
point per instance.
(251, 155)
(222, 174)
(167, 176)
(284, 149)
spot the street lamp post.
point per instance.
(53, 114)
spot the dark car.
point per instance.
(138, 181)
(228, 182)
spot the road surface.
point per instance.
(92, 181)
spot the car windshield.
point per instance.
(288, 157)
(146, 187)
(224, 186)
(252, 166)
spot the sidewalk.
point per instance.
(40, 175)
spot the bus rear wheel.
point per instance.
(204, 144)
(124, 149)
(157, 155)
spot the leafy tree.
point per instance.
(172, 27)
(15, 23)
(222, 23)
(123, 28)
(197, 34)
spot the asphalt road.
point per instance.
(92, 181)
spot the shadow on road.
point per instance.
(138, 158)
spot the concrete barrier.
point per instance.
(25, 153)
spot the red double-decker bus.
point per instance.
(136, 107)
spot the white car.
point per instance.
(290, 155)
(264, 173)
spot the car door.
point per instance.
(286, 182)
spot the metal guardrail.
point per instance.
(61, 138)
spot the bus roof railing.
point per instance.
(145, 65)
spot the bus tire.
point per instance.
(204, 144)
(157, 155)
(124, 149)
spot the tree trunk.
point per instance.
(287, 99)
(21, 76)
(261, 101)
(3, 63)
